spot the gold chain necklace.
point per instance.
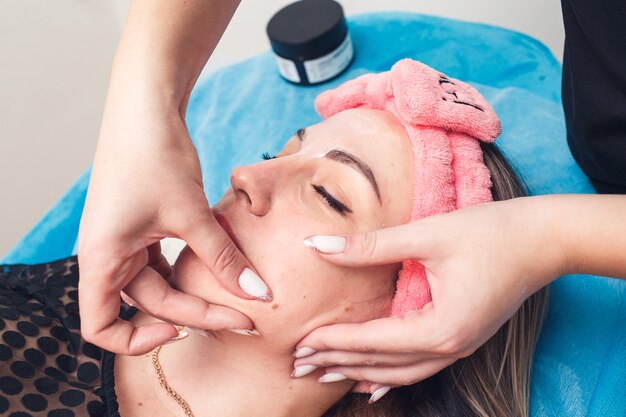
(170, 391)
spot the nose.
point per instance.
(253, 186)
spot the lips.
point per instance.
(227, 228)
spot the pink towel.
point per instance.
(444, 118)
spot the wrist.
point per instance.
(134, 100)
(146, 73)
(557, 232)
(141, 115)
(143, 84)
(165, 45)
(547, 246)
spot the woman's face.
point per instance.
(350, 173)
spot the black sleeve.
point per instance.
(594, 89)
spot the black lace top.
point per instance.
(46, 368)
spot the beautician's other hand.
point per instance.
(146, 184)
(482, 263)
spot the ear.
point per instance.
(426, 97)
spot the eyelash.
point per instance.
(266, 156)
(335, 204)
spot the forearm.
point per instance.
(588, 231)
(164, 46)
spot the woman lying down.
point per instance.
(393, 147)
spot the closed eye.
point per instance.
(335, 204)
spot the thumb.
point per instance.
(376, 247)
(219, 253)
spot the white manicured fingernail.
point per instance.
(303, 351)
(303, 370)
(326, 243)
(378, 394)
(332, 377)
(181, 336)
(245, 332)
(253, 285)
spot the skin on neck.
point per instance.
(230, 375)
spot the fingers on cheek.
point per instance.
(340, 358)
(388, 376)
(334, 358)
(323, 359)
(396, 375)
(318, 340)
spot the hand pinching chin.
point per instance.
(123, 253)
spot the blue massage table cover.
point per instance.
(243, 110)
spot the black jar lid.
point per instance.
(307, 29)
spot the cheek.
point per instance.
(317, 293)
(308, 291)
(367, 294)
(305, 287)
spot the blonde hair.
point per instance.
(492, 381)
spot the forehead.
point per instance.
(365, 123)
(362, 131)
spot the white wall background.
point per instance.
(55, 58)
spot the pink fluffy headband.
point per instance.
(445, 119)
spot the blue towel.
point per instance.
(247, 109)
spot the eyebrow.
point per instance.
(349, 160)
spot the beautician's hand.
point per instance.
(482, 263)
(146, 184)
